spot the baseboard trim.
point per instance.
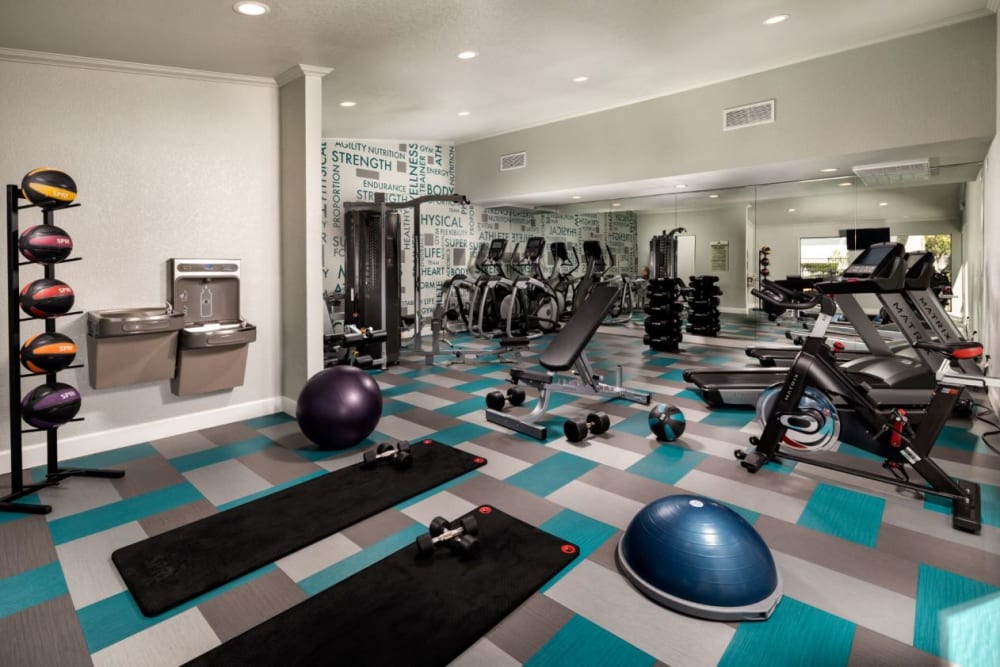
(288, 405)
(102, 441)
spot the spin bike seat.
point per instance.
(965, 349)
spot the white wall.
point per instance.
(166, 167)
(991, 236)
(932, 87)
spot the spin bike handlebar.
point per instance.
(786, 298)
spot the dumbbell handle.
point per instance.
(448, 535)
(387, 453)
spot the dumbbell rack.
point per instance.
(703, 306)
(664, 324)
(53, 474)
(763, 268)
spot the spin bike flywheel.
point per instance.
(813, 426)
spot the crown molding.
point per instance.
(81, 62)
(299, 71)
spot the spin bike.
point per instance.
(799, 415)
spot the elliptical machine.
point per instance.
(799, 415)
(534, 307)
(458, 293)
(593, 272)
(494, 295)
(621, 309)
(561, 276)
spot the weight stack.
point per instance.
(703, 306)
(664, 325)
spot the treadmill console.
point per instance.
(880, 268)
(558, 250)
(876, 261)
(533, 248)
(919, 270)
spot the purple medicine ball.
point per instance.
(50, 405)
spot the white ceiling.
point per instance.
(397, 58)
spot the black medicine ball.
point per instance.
(48, 352)
(50, 405)
(45, 243)
(48, 187)
(46, 297)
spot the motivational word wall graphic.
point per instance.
(451, 234)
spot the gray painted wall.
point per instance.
(166, 167)
(900, 93)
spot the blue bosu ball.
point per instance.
(697, 556)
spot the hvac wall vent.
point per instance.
(513, 161)
(748, 115)
(894, 173)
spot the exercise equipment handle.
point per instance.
(786, 298)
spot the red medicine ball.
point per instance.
(45, 243)
(48, 352)
(46, 297)
(48, 187)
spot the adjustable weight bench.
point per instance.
(563, 353)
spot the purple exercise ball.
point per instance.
(339, 407)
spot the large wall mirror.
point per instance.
(810, 230)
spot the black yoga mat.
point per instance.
(168, 569)
(406, 610)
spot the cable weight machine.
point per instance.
(372, 270)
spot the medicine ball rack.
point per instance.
(53, 473)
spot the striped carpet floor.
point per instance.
(871, 577)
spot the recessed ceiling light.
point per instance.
(576, 197)
(251, 8)
(348, 103)
(616, 203)
(883, 203)
(845, 185)
(713, 196)
(463, 113)
(791, 210)
(680, 186)
(467, 55)
(579, 79)
(828, 170)
(776, 19)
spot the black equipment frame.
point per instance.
(565, 352)
(370, 285)
(53, 472)
(815, 366)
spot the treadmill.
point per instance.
(919, 271)
(892, 380)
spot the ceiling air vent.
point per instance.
(513, 161)
(758, 113)
(894, 173)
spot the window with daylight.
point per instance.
(823, 257)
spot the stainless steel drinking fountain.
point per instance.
(130, 346)
(212, 354)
